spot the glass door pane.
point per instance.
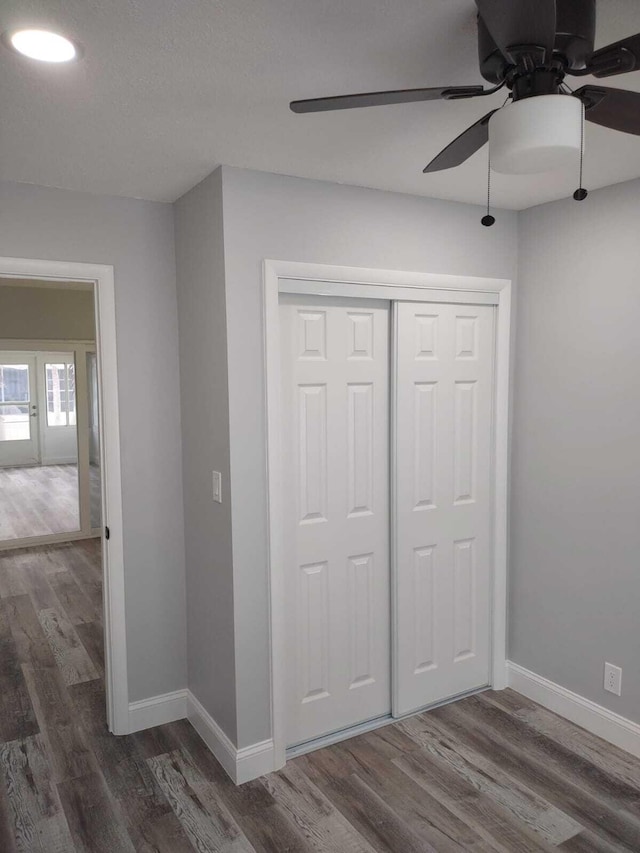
(15, 399)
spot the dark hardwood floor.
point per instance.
(493, 772)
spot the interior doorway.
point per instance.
(49, 469)
(60, 450)
(49, 478)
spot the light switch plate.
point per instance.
(217, 486)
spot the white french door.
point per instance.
(335, 367)
(443, 447)
(19, 433)
(345, 547)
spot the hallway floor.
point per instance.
(494, 772)
(43, 499)
(38, 501)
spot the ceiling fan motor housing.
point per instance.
(575, 34)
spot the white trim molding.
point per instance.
(100, 278)
(241, 765)
(297, 277)
(157, 710)
(583, 712)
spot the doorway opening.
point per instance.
(49, 414)
(61, 556)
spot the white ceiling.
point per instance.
(169, 89)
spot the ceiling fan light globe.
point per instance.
(537, 134)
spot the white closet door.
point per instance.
(335, 355)
(443, 429)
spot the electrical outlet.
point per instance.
(217, 487)
(613, 678)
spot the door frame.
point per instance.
(101, 278)
(329, 280)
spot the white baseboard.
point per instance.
(241, 765)
(157, 710)
(51, 539)
(594, 718)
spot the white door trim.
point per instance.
(461, 288)
(101, 278)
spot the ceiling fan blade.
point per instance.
(462, 147)
(375, 99)
(514, 23)
(618, 109)
(617, 58)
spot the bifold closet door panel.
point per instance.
(443, 501)
(335, 404)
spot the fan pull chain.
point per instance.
(580, 194)
(488, 219)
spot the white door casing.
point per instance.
(335, 368)
(443, 501)
(101, 278)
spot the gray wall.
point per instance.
(205, 432)
(46, 313)
(137, 238)
(270, 216)
(575, 531)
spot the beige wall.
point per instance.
(45, 313)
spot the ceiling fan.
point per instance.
(529, 46)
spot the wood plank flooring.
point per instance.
(38, 501)
(494, 773)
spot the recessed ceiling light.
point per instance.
(42, 45)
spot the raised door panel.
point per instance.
(425, 655)
(361, 581)
(313, 631)
(360, 460)
(312, 335)
(312, 449)
(465, 441)
(360, 335)
(464, 600)
(425, 400)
